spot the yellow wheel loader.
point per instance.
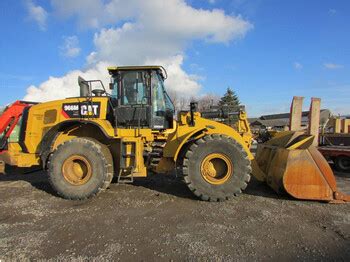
(83, 142)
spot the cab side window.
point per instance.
(158, 95)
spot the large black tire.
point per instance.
(231, 184)
(95, 160)
(342, 163)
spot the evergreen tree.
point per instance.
(230, 100)
(230, 103)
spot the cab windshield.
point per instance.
(138, 87)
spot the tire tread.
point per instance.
(107, 158)
(191, 150)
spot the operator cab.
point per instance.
(140, 99)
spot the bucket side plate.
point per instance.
(303, 179)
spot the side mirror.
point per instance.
(111, 86)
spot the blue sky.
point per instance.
(274, 49)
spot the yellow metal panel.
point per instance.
(39, 121)
(146, 133)
(337, 125)
(184, 131)
(345, 126)
(177, 140)
(165, 165)
(2, 167)
(84, 131)
(305, 143)
(15, 147)
(136, 147)
(14, 157)
(105, 125)
(61, 138)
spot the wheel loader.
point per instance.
(83, 142)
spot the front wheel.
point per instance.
(216, 168)
(80, 168)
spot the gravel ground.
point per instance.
(158, 219)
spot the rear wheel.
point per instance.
(80, 168)
(342, 163)
(216, 168)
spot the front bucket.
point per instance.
(290, 163)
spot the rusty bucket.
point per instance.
(290, 163)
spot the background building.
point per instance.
(280, 122)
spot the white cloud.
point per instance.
(173, 18)
(178, 80)
(212, 1)
(162, 31)
(148, 32)
(298, 65)
(37, 14)
(60, 87)
(70, 47)
(332, 66)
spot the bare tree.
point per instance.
(206, 101)
(173, 96)
(184, 103)
(179, 100)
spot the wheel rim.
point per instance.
(77, 170)
(216, 168)
(344, 163)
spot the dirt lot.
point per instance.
(158, 219)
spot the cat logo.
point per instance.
(89, 110)
(81, 110)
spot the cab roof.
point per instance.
(113, 69)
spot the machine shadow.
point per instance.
(172, 185)
(256, 188)
(36, 178)
(167, 184)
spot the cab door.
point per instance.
(162, 107)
